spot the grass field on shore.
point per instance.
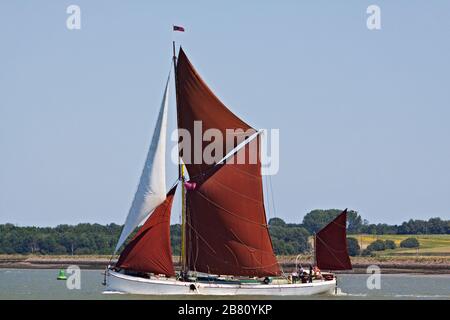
(305, 259)
(430, 245)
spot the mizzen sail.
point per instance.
(331, 245)
(151, 190)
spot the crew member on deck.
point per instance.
(310, 273)
(317, 273)
(300, 270)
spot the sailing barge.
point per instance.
(226, 247)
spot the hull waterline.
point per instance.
(121, 283)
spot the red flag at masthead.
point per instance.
(178, 28)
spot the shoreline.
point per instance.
(360, 264)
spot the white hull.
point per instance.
(117, 282)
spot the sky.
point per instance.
(364, 115)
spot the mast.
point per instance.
(183, 221)
(314, 250)
(180, 176)
(176, 97)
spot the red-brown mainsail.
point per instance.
(150, 250)
(226, 227)
(331, 245)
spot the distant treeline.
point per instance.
(287, 238)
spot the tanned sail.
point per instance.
(150, 250)
(196, 102)
(226, 227)
(331, 245)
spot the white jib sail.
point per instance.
(151, 191)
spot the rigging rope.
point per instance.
(273, 198)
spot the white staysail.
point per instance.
(151, 191)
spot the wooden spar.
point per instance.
(180, 177)
(183, 221)
(314, 248)
(176, 96)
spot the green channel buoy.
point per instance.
(62, 275)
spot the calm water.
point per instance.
(42, 284)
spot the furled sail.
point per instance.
(226, 227)
(196, 102)
(331, 245)
(150, 250)
(151, 191)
